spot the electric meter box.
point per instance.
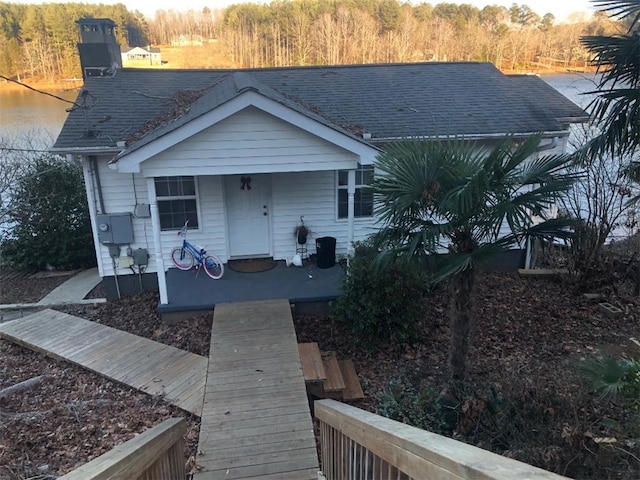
(115, 228)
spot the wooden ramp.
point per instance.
(256, 422)
(157, 369)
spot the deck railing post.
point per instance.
(156, 453)
(355, 442)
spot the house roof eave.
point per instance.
(107, 150)
(474, 136)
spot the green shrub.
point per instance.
(613, 377)
(482, 415)
(48, 218)
(421, 408)
(381, 306)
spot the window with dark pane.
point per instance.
(177, 202)
(363, 197)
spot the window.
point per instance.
(176, 202)
(363, 198)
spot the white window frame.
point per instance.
(358, 186)
(160, 199)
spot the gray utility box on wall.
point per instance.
(115, 228)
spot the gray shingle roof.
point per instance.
(386, 101)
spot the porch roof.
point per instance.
(233, 93)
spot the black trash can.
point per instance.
(326, 252)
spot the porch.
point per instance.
(191, 291)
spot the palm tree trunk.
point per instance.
(460, 302)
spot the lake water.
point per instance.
(27, 113)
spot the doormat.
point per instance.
(252, 265)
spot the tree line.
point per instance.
(40, 40)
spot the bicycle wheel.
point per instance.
(183, 259)
(213, 266)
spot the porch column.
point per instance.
(157, 241)
(351, 191)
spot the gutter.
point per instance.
(85, 150)
(475, 136)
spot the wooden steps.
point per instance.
(328, 377)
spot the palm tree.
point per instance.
(438, 196)
(617, 107)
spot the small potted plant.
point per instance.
(301, 232)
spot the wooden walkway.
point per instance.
(157, 369)
(256, 422)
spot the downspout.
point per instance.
(157, 240)
(351, 190)
(96, 174)
(89, 186)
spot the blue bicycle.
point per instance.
(188, 255)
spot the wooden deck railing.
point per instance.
(358, 445)
(154, 454)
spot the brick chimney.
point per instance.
(98, 47)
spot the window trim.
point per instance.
(195, 197)
(358, 186)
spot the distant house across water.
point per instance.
(187, 40)
(141, 57)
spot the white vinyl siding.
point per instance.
(119, 197)
(313, 195)
(249, 142)
(121, 192)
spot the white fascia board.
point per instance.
(251, 169)
(131, 163)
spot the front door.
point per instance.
(247, 198)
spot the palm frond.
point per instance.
(621, 9)
(616, 57)
(607, 375)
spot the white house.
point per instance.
(141, 57)
(244, 154)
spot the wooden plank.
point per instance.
(259, 459)
(542, 272)
(353, 389)
(244, 376)
(311, 360)
(334, 381)
(255, 383)
(265, 412)
(235, 424)
(255, 416)
(262, 447)
(261, 470)
(213, 443)
(212, 407)
(141, 363)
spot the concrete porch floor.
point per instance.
(190, 292)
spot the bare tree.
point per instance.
(17, 153)
(600, 201)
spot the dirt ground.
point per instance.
(529, 338)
